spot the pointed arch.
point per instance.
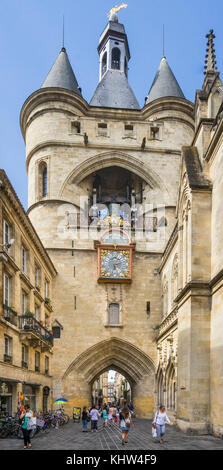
(115, 353)
(114, 158)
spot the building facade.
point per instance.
(26, 291)
(127, 203)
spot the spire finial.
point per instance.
(163, 41)
(210, 62)
(63, 48)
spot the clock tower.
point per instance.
(114, 258)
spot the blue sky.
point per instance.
(31, 38)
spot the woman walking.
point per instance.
(25, 417)
(113, 410)
(104, 414)
(110, 415)
(85, 416)
(94, 414)
(160, 422)
(125, 421)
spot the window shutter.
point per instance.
(114, 314)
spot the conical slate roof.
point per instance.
(61, 74)
(164, 83)
(114, 91)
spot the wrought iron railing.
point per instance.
(7, 358)
(10, 315)
(29, 323)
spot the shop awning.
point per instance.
(5, 379)
(32, 383)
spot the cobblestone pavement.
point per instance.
(70, 437)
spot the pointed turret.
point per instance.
(164, 84)
(210, 62)
(61, 74)
(113, 90)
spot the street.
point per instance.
(70, 437)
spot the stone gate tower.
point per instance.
(103, 183)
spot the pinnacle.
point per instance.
(210, 62)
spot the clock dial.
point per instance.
(115, 264)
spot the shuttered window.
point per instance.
(113, 314)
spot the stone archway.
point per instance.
(116, 354)
(110, 159)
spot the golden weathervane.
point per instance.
(116, 9)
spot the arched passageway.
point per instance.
(119, 355)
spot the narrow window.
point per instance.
(24, 260)
(24, 302)
(46, 365)
(37, 278)
(148, 308)
(44, 189)
(104, 64)
(6, 292)
(47, 289)
(113, 314)
(25, 355)
(6, 234)
(116, 58)
(37, 312)
(37, 361)
(74, 271)
(75, 302)
(8, 349)
(102, 129)
(126, 68)
(75, 127)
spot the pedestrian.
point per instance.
(160, 419)
(94, 414)
(113, 410)
(85, 416)
(25, 417)
(125, 422)
(110, 411)
(105, 416)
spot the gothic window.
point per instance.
(116, 58)
(113, 314)
(44, 182)
(42, 175)
(104, 64)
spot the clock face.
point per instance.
(115, 264)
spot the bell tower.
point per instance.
(113, 48)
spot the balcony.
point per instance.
(24, 364)
(37, 334)
(10, 315)
(8, 358)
